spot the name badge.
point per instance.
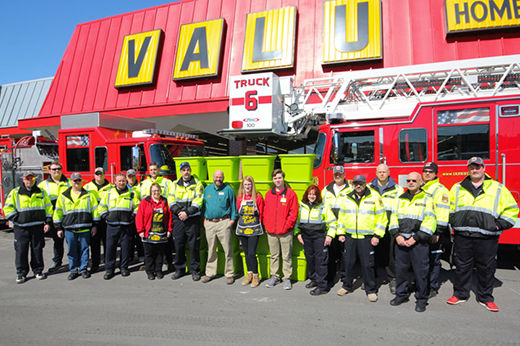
(221, 193)
(283, 200)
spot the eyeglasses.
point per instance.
(77, 180)
(357, 183)
(55, 169)
(99, 173)
(411, 180)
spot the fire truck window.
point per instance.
(101, 157)
(126, 158)
(319, 149)
(159, 153)
(413, 145)
(78, 160)
(462, 142)
(356, 147)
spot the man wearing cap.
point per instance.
(441, 238)
(117, 208)
(137, 244)
(481, 209)
(220, 214)
(361, 224)
(98, 187)
(30, 210)
(330, 195)
(389, 190)
(185, 200)
(54, 185)
(75, 216)
(413, 224)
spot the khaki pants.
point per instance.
(283, 242)
(219, 230)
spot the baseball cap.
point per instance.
(131, 172)
(431, 166)
(75, 176)
(99, 169)
(359, 179)
(476, 160)
(184, 164)
(338, 169)
(29, 174)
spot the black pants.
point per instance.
(317, 257)
(95, 243)
(26, 238)
(335, 264)
(153, 257)
(115, 235)
(58, 250)
(137, 244)
(478, 252)
(362, 249)
(168, 251)
(435, 265)
(417, 258)
(385, 255)
(189, 231)
(249, 245)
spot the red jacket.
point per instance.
(259, 203)
(280, 211)
(143, 219)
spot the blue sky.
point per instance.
(35, 33)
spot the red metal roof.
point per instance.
(414, 32)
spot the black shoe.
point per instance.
(125, 272)
(433, 293)
(420, 307)
(85, 274)
(21, 279)
(398, 301)
(150, 276)
(94, 269)
(159, 275)
(73, 275)
(108, 275)
(55, 267)
(195, 276)
(178, 274)
(171, 268)
(317, 292)
(311, 284)
(391, 286)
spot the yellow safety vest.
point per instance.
(27, 209)
(166, 186)
(441, 201)
(76, 214)
(414, 216)
(186, 198)
(118, 209)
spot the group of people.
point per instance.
(344, 224)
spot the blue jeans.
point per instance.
(78, 244)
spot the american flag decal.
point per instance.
(463, 116)
(77, 141)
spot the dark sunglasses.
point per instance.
(55, 169)
(98, 173)
(411, 180)
(357, 183)
(77, 180)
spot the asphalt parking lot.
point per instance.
(136, 311)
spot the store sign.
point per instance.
(471, 15)
(256, 103)
(352, 30)
(138, 58)
(269, 39)
(198, 49)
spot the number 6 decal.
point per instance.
(251, 102)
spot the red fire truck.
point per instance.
(406, 116)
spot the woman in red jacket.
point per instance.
(153, 224)
(250, 205)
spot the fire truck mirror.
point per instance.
(337, 148)
(136, 156)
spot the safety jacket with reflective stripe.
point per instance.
(98, 190)
(330, 202)
(118, 208)
(441, 202)
(311, 219)
(54, 189)
(166, 186)
(78, 215)
(28, 208)
(136, 188)
(390, 194)
(186, 198)
(363, 217)
(487, 215)
(414, 216)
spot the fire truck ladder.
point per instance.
(396, 91)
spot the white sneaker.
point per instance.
(372, 297)
(41, 276)
(287, 285)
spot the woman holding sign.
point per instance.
(250, 205)
(153, 223)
